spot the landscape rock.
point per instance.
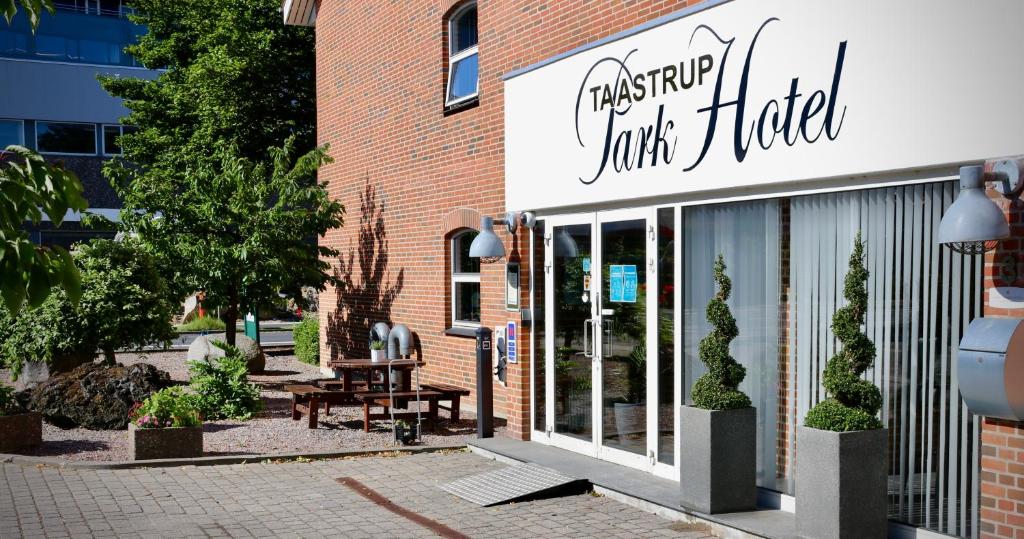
(96, 396)
(201, 349)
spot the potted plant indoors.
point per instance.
(377, 353)
(167, 425)
(20, 431)
(841, 447)
(718, 461)
(405, 433)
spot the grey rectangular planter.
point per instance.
(841, 483)
(718, 459)
(21, 433)
(167, 443)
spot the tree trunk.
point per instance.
(231, 316)
(108, 357)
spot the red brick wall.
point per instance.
(402, 166)
(1002, 442)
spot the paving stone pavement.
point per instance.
(295, 500)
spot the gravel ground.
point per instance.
(272, 431)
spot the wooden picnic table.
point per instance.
(366, 366)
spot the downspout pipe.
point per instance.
(399, 341)
(379, 332)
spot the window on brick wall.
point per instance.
(463, 64)
(465, 281)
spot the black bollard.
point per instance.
(484, 389)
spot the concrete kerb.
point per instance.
(23, 460)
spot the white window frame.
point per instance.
(21, 132)
(454, 59)
(103, 138)
(460, 277)
(94, 138)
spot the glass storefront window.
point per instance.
(538, 330)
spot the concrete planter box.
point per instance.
(718, 460)
(168, 443)
(841, 483)
(21, 433)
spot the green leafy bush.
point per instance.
(717, 388)
(168, 408)
(124, 304)
(306, 335)
(7, 403)
(206, 323)
(222, 385)
(853, 402)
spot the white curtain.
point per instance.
(921, 298)
(747, 235)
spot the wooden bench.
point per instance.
(308, 398)
(384, 400)
(449, 393)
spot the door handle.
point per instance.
(588, 349)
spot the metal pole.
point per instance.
(484, 387)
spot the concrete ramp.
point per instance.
(516, 483)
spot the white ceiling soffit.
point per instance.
(300, 12)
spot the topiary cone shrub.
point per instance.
(853, 402)
(717, 388)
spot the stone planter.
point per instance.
(841, 483)
(21, 433)
(718, 459)
(168, 443)
(378, 356)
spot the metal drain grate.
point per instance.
(514, 483)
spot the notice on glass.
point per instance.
(622, 283)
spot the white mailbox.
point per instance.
(990, 368)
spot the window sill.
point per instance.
(462, 105)
(464, 332)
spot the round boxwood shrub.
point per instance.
(717, 388)
(306, 335)
(853, 402)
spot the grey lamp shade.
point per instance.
(973, 220)
(486, 244)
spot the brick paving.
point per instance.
(294, 500)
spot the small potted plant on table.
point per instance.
(167, 425)
(718, 464)
(405, 432)
(377, 353)
(20, 430)
(841, 447)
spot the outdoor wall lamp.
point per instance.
(487, 246)
(974, 224)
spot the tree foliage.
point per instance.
(124, 305)
(853, 402)
(207, 185)
(306, 335)
(29, 189)
(33, 9)
(717, 388)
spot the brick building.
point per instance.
(599, 119)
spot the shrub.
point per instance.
(717, 388)
(853, 402)
(170, 407)
(222, 385)
(125, 304)
(306, 335)
(7, 403)
(378, 345)
(206, 323)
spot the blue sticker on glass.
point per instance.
(586, 265)
(615, 284)
(629, 284)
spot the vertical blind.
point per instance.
(921, 298)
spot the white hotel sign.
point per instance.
(755, 92)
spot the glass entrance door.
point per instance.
(598, 368)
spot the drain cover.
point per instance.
(514, 483)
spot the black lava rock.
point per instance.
(96, 396)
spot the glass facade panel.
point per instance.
(11, 132)
(71, 37)
(573, 365)
(54, 137)
(666, 335)
(538, 329)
